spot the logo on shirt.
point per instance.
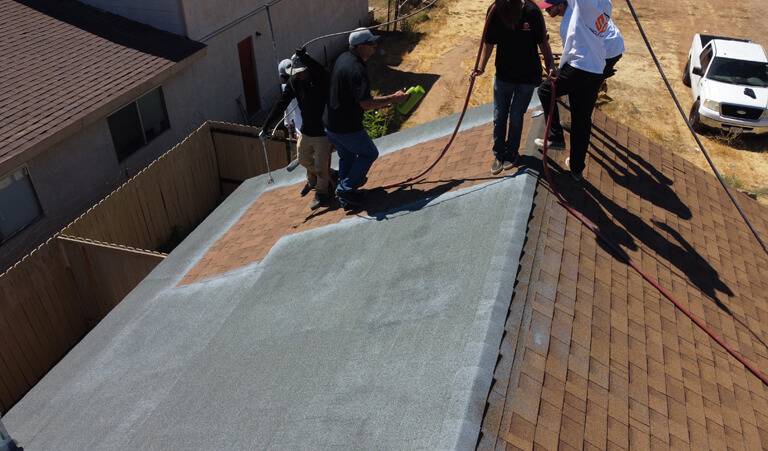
(526, 26)
(602, 23)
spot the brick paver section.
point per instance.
(281, 211)
(593, 356)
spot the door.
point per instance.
(248, 72)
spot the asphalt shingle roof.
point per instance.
(594, 357)
(63, 61)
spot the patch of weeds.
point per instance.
(725, 138)
(409, 25)
(375, 124)
(733, 182)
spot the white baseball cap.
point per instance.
(283, 67)
(361, 36)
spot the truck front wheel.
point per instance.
(687, 74)
(693, 118)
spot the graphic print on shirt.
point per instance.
(602, 23)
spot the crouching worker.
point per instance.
(351, 95)
(308, 84)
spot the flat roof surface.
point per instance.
(271, 327)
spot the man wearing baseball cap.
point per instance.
(308, 84)
(350, 96)
(583, 32)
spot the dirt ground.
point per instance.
(440, 52)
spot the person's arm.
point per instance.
(546, 50)
(276, 113)
(384, 101)
(487, 50)
(549, 60)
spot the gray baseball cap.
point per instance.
(361, 36)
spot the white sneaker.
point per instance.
(551, 145)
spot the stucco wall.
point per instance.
(81, 170)
(216, 79)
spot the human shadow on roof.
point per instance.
(623, 228)
(379, 201)
(380, 204)
(406, 199)
(117, 29)
(411, 197)
(638, 175)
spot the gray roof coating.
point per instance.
(387, 341)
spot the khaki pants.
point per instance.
(314, 152)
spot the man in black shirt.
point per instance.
(517, 28)
(309, 86)
(351, 95)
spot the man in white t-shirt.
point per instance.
(583, 30)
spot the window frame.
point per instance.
(124, 151)
(35, 196)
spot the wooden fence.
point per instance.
(56, 294)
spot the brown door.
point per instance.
(248, 72)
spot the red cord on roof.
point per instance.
(624, 256)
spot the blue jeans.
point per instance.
(510, 100)
(356, 155)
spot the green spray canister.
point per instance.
(415, 94)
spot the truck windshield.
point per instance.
(739, 72)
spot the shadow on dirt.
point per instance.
(747, 142)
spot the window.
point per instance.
(138, 123)
(705, 57)
(19, 206)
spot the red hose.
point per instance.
(461, 117)
(626, 258)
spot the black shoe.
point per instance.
(333, 180)
(497, 166)
(319, 200)
(354, 198)
(307, 188)
(510, 163)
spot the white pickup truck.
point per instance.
(729, 81)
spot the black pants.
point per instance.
(581, 88)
